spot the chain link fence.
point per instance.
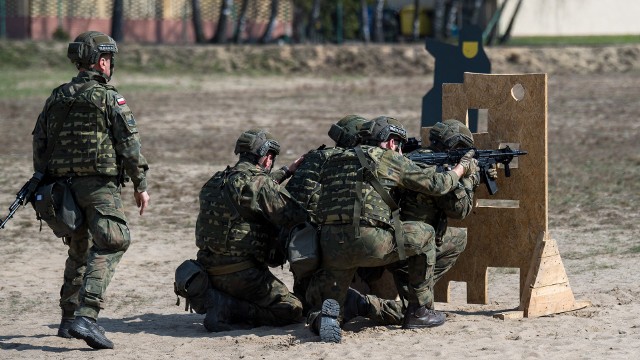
(156, 21)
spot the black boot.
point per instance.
(63, 329)
(218, 316)
(65, 324)
(330, 330)
(86, 329)
(417, 317)
(355, 305)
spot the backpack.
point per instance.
(303, 250)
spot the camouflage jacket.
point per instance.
(456, 204)
(242, 208)
(346, 188)
(98, 134)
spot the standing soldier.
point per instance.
(242, 210)
(360, 225)
(87, 137)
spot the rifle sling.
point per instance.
(386, 197)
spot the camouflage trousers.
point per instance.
(454, 241)
(453, 244)
(343, 254)
(265, 299)
(95, 249)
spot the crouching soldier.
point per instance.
(242, 210)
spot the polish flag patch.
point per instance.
(120, 100)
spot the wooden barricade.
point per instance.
(510, 228)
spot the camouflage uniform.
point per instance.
(228, 235)
(98, 137)
(350, 238)
(456, 205)
(305, 188)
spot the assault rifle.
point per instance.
(486, 158)
(23, 196)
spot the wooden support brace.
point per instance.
(547, 289)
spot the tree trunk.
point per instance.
(507, 34)
(268, 32)
(242, 22)
(439, 8)
(197, 21)
(314, 21)
(364, 24)
(379, 32)
(221, 31)
(117, 21)
(416, 20)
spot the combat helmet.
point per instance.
(450, 134)
(345, 131)
(257, 142)
(380, 129)
(85, 50)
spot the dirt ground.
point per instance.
(188, 126)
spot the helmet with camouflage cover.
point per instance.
(450, 134)
(257, 142)
(380, 129)
(86, 49)
(345, 131)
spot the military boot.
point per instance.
(355, 305)
(219, 307)
(330, 330)
(63, 329)
(416, 317)
(86, 329)
(65, 324)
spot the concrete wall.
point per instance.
(573, 17)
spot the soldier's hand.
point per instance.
(492, 173)
(468, 163)
(142, 200)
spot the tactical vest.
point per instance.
(304, 185)
(84, 145)
(225, 228)
(347, 195)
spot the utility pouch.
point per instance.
(192, 282)
(304, 250)
(54, 203)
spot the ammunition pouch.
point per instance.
(303, 250)
(192, 283)
(54, 203)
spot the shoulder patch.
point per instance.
(120, 100)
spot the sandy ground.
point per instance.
(188, 127)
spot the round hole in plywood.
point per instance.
(517, 91)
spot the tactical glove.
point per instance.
(469, 164)
(492, 173)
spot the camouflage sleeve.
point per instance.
(274, 203)
(458, 203)
(412, 177)
(127, 140)
(39, 134)
(278, 175)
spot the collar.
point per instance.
(87, 75)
